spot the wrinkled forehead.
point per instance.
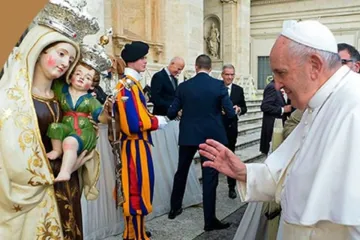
(178, 64)
(279, 46)
(280, 51)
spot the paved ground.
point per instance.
(226, 234)
(189, 225)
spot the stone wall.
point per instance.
(247, 29)
(342, 17)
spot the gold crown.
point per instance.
(95, 56)
(68, 17)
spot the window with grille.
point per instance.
(264, 71)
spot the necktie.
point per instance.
(228, 90)
(173, 81)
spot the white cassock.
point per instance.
(315, 172)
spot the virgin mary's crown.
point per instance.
(68, 17)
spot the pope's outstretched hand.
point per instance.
(223, 160)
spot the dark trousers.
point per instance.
(209, 182)
(231, 133)
(231, 145)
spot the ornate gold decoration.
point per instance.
(17, 208)
(49, 228)
(35, 162)
(69, 225)
(23, 74)
(15, 93)
(18, 56)
(5, 114)
(23, 120)
(26, 139)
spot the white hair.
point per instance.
(331, 59)
(176, 59)
(226, 66)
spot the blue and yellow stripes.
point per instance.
(138, 153)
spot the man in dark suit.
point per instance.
(201, 99)
(273, 106)
(237, 98)
(164, 84)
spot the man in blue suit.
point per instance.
(201, 99)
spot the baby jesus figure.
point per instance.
(75, 133)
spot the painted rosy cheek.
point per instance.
(51, 61)
(87, 86)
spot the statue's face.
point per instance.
(56, 60)
(82, 78)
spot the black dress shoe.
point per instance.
(173, 213)
(148, 233)
(232, 193)
(216, 225)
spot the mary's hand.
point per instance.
(83, 158)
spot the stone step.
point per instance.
(253, 107)
(245, 119)
(253, 113)
(254, 101)
(250, 154)
(249, 128)
(248, 140)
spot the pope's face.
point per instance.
(295, 78)
(56, 60)
(82, 78)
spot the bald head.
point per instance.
(176, 65)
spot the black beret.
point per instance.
(134, 51)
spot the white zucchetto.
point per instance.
(313, 34)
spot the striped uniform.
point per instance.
(137, 167)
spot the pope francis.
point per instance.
(315, 171)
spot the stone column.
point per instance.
(117, 25)
(243, 35)
(117, 21)
(229, 32)
(148, 20)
